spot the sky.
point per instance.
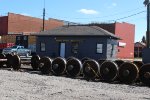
(83, 11)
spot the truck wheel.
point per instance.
(14, 53)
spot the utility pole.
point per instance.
(146, 51)
(43, 19)
(44, 16)
(147, 3)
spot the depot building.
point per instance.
(78, 41)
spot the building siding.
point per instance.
(14, 25)
(126, 32)
(112, 49)
(8, 38)
(19, 23)
(87, 46)
(3, 25)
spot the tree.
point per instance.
(143, 39)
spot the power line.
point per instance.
(138, 18)
(114, 14)
(128, 11)
(128, 16)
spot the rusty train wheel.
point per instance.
(144, 74)
(109, 71)
(100, 61)
(128, 73)
(91, 69)
(84, 59)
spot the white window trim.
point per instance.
(99, 48)
(42, 47)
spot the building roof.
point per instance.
(78, 30)
(139, 44)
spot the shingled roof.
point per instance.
(78, 30)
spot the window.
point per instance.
(99, 48)
(20, 47)
(18, 37)
(75, 46)
(42, 48)
(25, 37)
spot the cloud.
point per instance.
(88, 11)
(112, 5)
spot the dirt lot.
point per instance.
(33, 86)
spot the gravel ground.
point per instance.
(33, 86)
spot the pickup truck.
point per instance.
(17, 49)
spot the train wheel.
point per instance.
(144, 74)
(45, 64)
(128, 72)
(90, 69)
(109, 71)
(59, 66)
(73, 67)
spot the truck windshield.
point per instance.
(14, 46)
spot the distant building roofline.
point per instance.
(78, 30)
(112, 23)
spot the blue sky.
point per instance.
(83, 11)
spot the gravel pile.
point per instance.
(32, 86)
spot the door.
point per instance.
(62, 50)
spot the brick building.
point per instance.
(16, 28)
(138, 48)
(126, 32)
(16, 24)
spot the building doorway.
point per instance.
(62, 49)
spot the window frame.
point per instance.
(41, 48)
(99, 48)
(74, 47)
